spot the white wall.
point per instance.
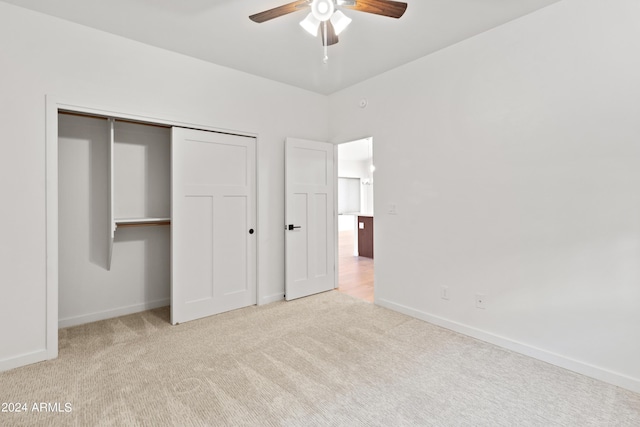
(513, 158)
(41, 55)
(350, 169)
(358, 169)
(354, 162)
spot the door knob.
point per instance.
(291, 226)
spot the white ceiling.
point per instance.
(220, 31)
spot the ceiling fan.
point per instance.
(324, 14)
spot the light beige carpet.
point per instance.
(326, 360)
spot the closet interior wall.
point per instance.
(94, 284)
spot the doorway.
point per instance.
(356, 219)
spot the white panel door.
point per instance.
(309, 218)
(213, 223)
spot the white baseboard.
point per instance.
(583, 368)
(23, 360)
(271, 298)
(108, 314)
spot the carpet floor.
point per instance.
(325, 360)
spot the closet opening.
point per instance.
(114, 216)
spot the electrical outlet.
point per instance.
(444, 292)
(481, 301)
(392, 209)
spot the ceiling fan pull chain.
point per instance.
(326, 54)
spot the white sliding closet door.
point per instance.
(213, 223)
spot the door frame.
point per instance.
(54, 105)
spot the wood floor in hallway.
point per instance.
(355, 276)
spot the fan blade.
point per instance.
(332, 38)
(280, 11)
(392, 9)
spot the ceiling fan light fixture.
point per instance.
(340, 21)
(310, 24)
(322, 9)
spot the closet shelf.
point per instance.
(141, 222)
